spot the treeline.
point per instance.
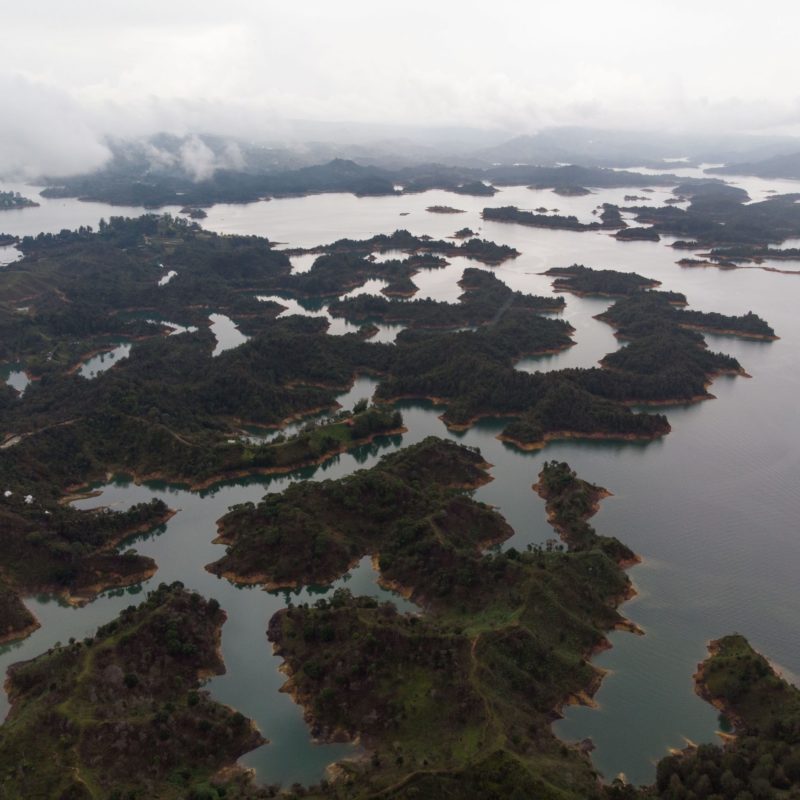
(135, 183)
(14, 200)
(406, 509)
(720, 215)
(762, 760)
(754, 253)
(135, 685)
(478, 249)
(458, 699)
(484, 300)
(604, 282)
(650, 311)
(556, 221)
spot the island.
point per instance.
(122, 713)
(11, 201)
(536, 220)
(637, 235)
(720, 215)
(568, 191)
(760, 757)
(445, 210)
(463, 694)
(313, 532)
(194, 213)
(478, 249)
(167, 412)
(485, 299)
(585, 281)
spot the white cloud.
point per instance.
(43, 131)
(191, 67)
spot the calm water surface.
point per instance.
(712, 508)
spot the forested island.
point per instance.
(478, 249)
(720, 215)
(122, 713)
(135, 183)
(455, 701)
(485, 299)
(444, 210)
(583, 281)
(761, 757)
(459, 699)
(10, 201)
(536, 220)
(569, 191)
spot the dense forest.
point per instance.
(478, 249)
(123, 711)
(407, 511)
(582, 280)
(124, 182)
(460, 699)
(485, 299)
(721, 215)
(173, 409)
(14, 200)
(536, 220)
(454, 701)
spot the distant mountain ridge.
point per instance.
(781, 166)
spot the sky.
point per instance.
(74, 72)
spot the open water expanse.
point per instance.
(712, 508)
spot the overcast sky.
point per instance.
(74, 70)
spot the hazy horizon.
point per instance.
(76, 73)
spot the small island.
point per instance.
(464, 233)
(569, 191)
(585, 281)
(444, 210)
(194, 213)
(637, 235)
(536, 220)
(12, 201)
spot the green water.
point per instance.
(712, 508)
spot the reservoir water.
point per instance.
(712, 508)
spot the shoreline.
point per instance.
(765, 337)
(21, 633)
(597, 436)
(702, 691)
(138, 478)
(82, 595)
(586, 696)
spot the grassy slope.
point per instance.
(458, 702)
(123, 711)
